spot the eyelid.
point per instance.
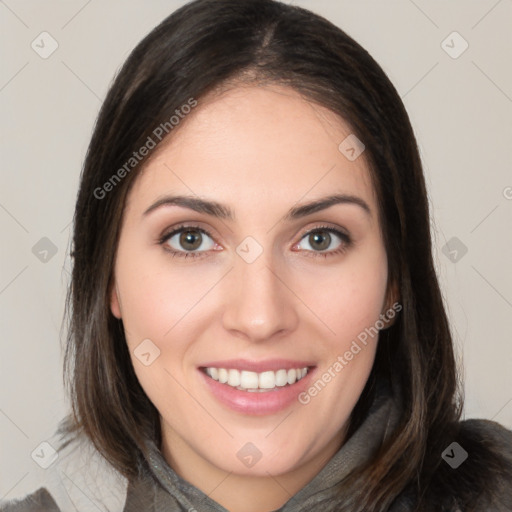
(190, 225)
(323, 226)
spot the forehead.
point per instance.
(254, 145)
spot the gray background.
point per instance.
(461, 110)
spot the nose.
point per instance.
(259, 304)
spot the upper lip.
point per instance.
(258, 366)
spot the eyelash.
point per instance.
(345, 245)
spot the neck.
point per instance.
(243, 493)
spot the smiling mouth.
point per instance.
(256, 382)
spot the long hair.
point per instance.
(203, 46)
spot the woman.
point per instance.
(255, 319)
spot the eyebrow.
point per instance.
(221, 211)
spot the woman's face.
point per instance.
(256, 286)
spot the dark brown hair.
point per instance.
(201, 47)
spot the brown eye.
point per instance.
(320, 240)
(188, 239)
(324, 241)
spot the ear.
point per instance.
(115, 306)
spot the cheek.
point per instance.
(155, 300)
(157, 294)
(145, 310)
(349, 298)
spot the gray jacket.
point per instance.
(81, 480)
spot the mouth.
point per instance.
(257, 388)
(255, 382)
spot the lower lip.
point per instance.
(257, 403)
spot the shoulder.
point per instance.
(475, 470)
(39, 501)
(490, 432)
(488, 444)
(78, 479)
(489, 447)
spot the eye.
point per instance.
(325, 241)
(186, 240)
(193, 241)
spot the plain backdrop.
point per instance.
(457, 89)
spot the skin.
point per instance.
(260, 150)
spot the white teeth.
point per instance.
(252, 381)
(266, 380)
(281, 378)
(248, 379)
(233, 378)
(223, 375)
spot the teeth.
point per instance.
(252, 381)
(248, 380)
(265, 380)
(233, 378)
